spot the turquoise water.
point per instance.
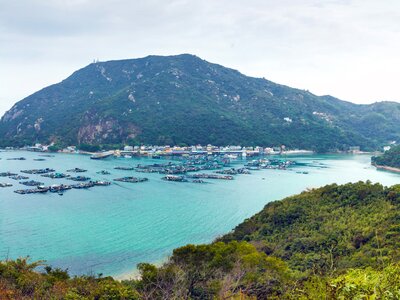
(110, 229)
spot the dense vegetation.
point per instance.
(334, 242)
(183, 99)
(390, 158)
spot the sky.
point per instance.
(346, 48)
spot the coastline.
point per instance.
(387, 168)
(134, 274)
(130, 275)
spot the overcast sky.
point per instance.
(348, 49)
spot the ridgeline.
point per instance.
(183, 99)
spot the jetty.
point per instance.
(102, 155)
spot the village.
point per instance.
(160, 151)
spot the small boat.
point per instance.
(101, 183)
(5, 185)
(132, 179)
(77, 170)
(56, 175)
(19, 177)
(199, 181)
(38, 171)
(175, 178)
(79, 178)
(57, 188)
(125, 168)
(7, 174)
(31, 183)
(103, 172)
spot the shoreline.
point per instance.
(134, 274)
(387, 168)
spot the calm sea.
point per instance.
(110, 229)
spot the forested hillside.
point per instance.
(185, 100)
(390, 158)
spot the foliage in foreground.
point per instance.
(335, 242)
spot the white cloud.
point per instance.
(348, 49)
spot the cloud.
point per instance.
(345, 48)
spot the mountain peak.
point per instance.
(184, 99)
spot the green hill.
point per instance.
(390, 158)
(334, 242)
(184, 99)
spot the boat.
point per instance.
(79, 178)
(101, 183)
(56, 175)
(7, 174)
(38, 171)
(19, 177)
(31, 183)
(125, 168)
(83, 185)
(211, 176)
(56, 188)
(103, 172)
(175, 178)
(39, 189)
(199, 181)
(5, 184)
(77, 170)
(132, 179)
(231, 156)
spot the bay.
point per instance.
(110, 229)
